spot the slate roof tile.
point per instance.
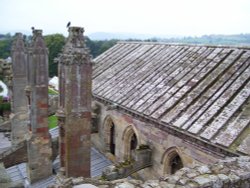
(198, 89)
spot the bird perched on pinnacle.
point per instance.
(68, 25)
(32, 28)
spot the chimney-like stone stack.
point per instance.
(74, 113)
(39, 145)
(19, 116)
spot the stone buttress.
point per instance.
(74, 112)
(19, 116)
(39, 145)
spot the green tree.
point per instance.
(98, 46)
(5, 47)
(55, 44)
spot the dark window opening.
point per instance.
(175, 164)
(112, 139)
(133, 142)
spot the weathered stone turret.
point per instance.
(39, 145)
(19, 116)
(74, 113)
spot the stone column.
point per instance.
(19, 116)
(39, 145)
(75, 78)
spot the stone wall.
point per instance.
(14, 155)
(231, 172)
(6, 72)
(161, 143)
(18, 154)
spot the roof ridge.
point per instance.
(186, 44)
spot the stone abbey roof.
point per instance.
(201, 91)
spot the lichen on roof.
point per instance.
(200, 90)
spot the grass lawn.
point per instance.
(52, 92)
(52, 121)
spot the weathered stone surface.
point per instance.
(19, 127)
(173, 179)
(183, 181)
(53, 104)
(5, 126)
(19, 118)
(39, 158)
(204, 180)
(244, 146)
(7, 72)
(4, 177)
(125, 185)
(103, 186)
(203, 170)
(224, 178)
(233, 178)
(141, 160)
(216, 181)
(14, 155)
(39, 144)
(9, 156)
(75, 85)
(84, 186)
(163, 184)
(192, 174)
(5, 180)
(217, 168)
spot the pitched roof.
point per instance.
(203, 91)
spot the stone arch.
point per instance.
(171, 160)
(109, 135)
(130, 140)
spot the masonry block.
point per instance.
(75, 85)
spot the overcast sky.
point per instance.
(156, 17)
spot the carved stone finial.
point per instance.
(75, 38)
(38, 41)
(74, 51)
(18, 44)
(37, 32)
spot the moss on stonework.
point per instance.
(52, 121)
(103, 178)
(143, 146)
(124, 164)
